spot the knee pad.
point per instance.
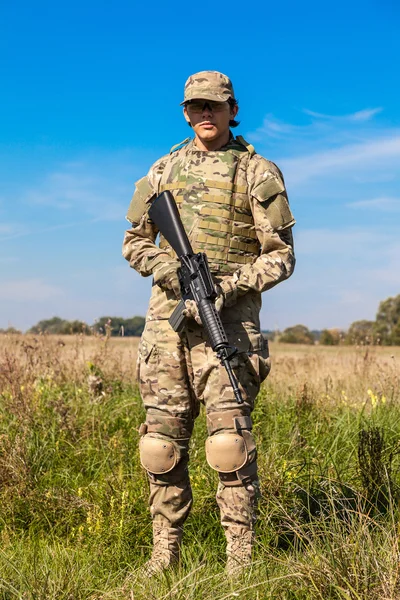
(226, 452)
(163, 447)
(158, 454)
(231, 451)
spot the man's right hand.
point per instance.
(166, 276)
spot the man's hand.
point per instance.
(219, 301)
(227, 293)
(190, 311)
(166, 276)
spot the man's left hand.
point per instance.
(191, 312)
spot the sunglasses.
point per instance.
(198, 106)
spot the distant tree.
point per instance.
(105, 325)
(73, 327)
(330, 337)
(316, 333)
(102, 324)
(134, 326)
(298, 334)
(53, 325)
(10, 330)
(395, 337)
(269, 335)
(59, 326)
(361, 332)
(387, 322)
(118, 325)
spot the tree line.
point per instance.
(113, 326)
(385, 330)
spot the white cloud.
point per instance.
(11, 229)
(276, 129)
(75, 190)
(376, 177)
(28, 290)
(386, 275)
(359, 116)
(365, 115)
(332, 165)
(321, 126)
(374, 154)
(336, 244)
(99, 186)
(333, 147)
(381, 204)
(24, 231)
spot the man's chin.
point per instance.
(208, 135)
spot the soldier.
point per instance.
(234, 207)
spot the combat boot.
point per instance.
(239, 544)
(166, 550)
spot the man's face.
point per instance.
(209, 119)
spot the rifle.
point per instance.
(196, 283)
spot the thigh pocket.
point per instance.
(252, 363)
(264, 361)
(147, 355)
(254, 369)
(259, 353)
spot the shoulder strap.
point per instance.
(177, 146)
(249, 147)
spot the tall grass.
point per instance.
(73, 499)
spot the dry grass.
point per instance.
(293, 364)
(74, 523)
(335, 372)
(73, 353)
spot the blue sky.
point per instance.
(90, 96)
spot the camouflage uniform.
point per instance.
(234, 207)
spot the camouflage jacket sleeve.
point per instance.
(138, 246)
(273, 223)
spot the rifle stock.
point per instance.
(165, 215)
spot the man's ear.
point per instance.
(234, 111)
(185, 114)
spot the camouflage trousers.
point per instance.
(177, 372)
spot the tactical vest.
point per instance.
(210, 189)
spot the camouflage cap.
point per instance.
(208, 85)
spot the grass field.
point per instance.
(74, 523)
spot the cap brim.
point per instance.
(207, 96)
